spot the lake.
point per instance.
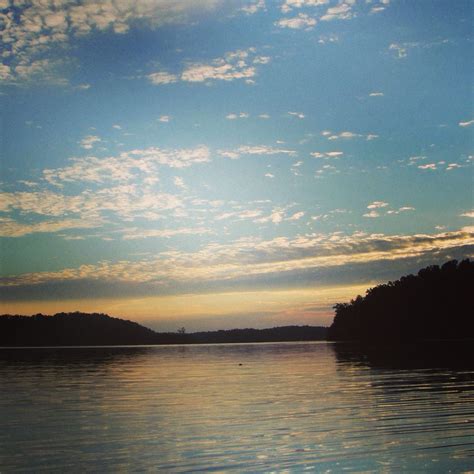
(283, 407)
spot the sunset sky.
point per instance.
(228, 163)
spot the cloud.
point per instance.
(255, 150)
(127, 202)
(258, 261)
(126, 166)
(342, 11)
(159, 78)
(376, 94)
(264, 116)
(296, 216)
(302, 21)
(241, 115)
(377, 205)
(297, 114)
(428, 166)
(11, 228)
(372, 214)
(32, 30)
(234, 65)
(288, 5)
(89, 141)
(136, 233)
(253, 7)
(401, 49)
(468, 214)
(269, 175)
(164, 118)
(466, 124)
(179, 182)
(346, 135)
(327, 155)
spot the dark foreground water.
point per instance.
(244, 408)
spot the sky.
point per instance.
(230, 163)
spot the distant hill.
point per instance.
(437, 303)
(82, 329)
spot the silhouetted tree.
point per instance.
(436, 303)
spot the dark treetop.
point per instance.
(81, 329)
(435, 304)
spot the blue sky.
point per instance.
(230, 163)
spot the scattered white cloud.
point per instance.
(376, 94)
(302, 21)
(343, 11)
(234, 65)
(89, 141)
(288, 5)
(241, 115)
(346, 135)
(269, 175)
(159, 78)
(179, 182)
(11, 228)
(468, 214)
(164, 118)
(327, 155)
(117, 127)
(372, 214)
(296, 216)
(327, 39)
(297, 114)
(32, 29)
(135, 233)
(400, 50)
(126, 166)
(377, 205)
(466, 124)
(29, 184)
(255, 150)
(428, 166)
(264, 116)
(253, 7)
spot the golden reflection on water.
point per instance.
(248, 408)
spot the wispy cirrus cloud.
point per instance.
(327, 154)
(257, 260)
(255, 150)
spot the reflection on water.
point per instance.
(248, 408)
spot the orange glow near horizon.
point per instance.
(287, 306)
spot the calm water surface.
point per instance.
(288, 407)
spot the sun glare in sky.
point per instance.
(226, 163)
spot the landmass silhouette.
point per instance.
(96, 329)
(435, 304)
